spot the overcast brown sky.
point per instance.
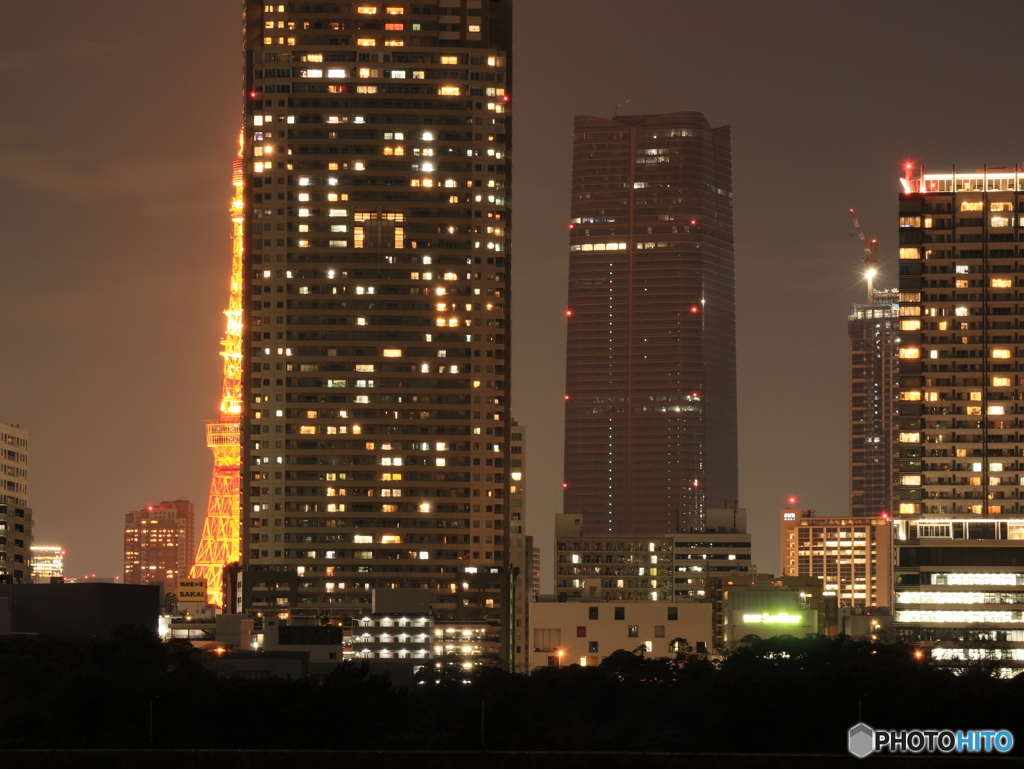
(117, 130)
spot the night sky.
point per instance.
(119, 125)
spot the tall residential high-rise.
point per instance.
(159, 543)
(15, 514)
(376, 183)
(13, 465)
(874, 397)
(960, 545)
(650, 412)
(960, 376)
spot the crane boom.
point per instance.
(870, 257)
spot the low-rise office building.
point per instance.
(586, 632)
(959, 588)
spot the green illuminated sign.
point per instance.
(773, 619)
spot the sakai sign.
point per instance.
(192, 590)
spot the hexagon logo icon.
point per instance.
(861, 740)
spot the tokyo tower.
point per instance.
(220, 542)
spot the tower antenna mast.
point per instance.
(870, 256)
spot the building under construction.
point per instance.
(874, 385)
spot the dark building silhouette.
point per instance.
(650, 419)
(874, 398)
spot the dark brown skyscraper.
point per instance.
(650, 420)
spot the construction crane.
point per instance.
(870, 256)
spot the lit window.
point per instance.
(394, 10)
(910, 352)
(368, 9)
(392, 353)
(996, 410)
(911, 395)
(1000, 353)
(448, 90)
(476, 28)
(449, 59)
(910, 325)
(910, 437)
(1001, 381)
(366, 41)
(1002, 283)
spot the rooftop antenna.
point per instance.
(615, 109)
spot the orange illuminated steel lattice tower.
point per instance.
(219, 545)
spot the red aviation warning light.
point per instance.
(568, 313)
(792, 500)
(695, 309)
